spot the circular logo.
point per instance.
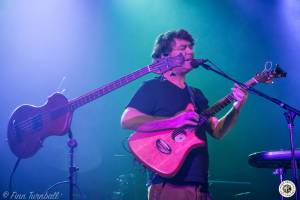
(287, 188)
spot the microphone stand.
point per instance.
(72, 144)
(289, 114)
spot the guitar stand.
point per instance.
(72, 144)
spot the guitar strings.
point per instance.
(101, 91)
(71, 106)
(158, 65)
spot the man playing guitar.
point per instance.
(167, 102)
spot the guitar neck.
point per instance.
(228, 99)
(98, 92)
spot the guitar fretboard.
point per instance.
(161, 66)
(96, 93)
(228, 99)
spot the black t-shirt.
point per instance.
(159, 97)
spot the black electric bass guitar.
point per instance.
(30, 125)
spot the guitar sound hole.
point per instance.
(163, 147)
(179, 135)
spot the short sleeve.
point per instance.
(144, 99)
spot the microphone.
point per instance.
(196, 62)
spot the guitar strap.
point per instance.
(192, 97)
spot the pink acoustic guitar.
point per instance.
(164, 151)
(29, 125)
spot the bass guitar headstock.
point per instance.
(165, 64)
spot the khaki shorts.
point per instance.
(167, 191)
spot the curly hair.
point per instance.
(163, 43)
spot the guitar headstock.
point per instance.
(165, 64)
(268, 74)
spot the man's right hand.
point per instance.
(138, 121)
(186, 118)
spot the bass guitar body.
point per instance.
(29, 125)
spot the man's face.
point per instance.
(185, 48)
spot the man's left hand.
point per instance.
(240, 95)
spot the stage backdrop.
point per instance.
(74, 46)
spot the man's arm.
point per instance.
(135, 120)
(222, 126)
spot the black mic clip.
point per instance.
(197, 62)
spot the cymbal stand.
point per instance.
(290, 116)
